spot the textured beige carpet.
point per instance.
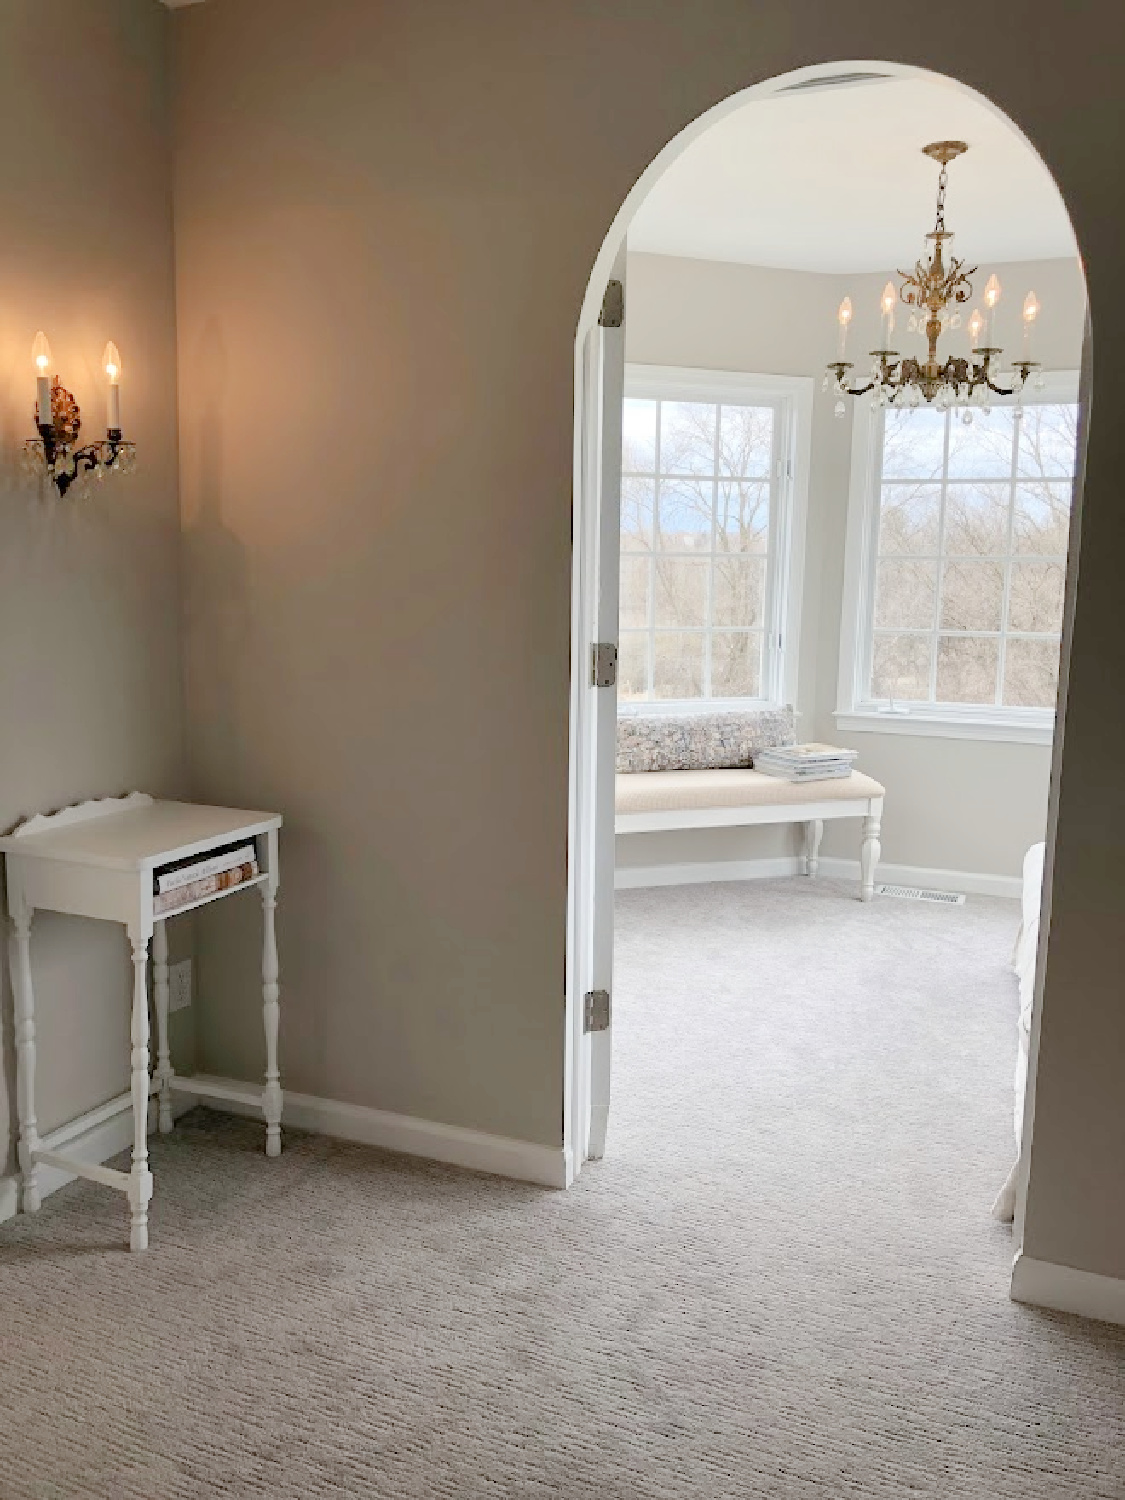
(783, 1281)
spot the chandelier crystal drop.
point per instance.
(938, 285)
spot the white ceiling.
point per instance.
(834, 180)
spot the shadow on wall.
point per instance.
(217, 609)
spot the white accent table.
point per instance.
(97, 860)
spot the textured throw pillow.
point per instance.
(700, 742)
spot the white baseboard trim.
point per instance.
(499, 1155)
(687, 872)
(972, 883)
(1065, 1289)
(93, 1138)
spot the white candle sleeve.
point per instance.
(43, 399)
(113, 418)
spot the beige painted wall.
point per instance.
(387, 217)
(90, 678)
(965, 805)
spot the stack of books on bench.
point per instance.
(192, 880)
(805, 762)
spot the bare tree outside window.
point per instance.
(696, 492)
(971, 555)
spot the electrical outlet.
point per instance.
(179, 985)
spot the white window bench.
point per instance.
(656, 801)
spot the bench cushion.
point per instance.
(670, 791)
(694, 742)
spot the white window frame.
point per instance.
(857, 712)
(791, 396)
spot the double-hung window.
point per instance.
(957, 561)
(713, 482)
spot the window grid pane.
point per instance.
(969, 556)
(696, 514)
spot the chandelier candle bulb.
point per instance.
(843, 318)
(976, 324)
(112, 361)
(41, 359)
(1031, 307)
(991, 298)
(887, 306)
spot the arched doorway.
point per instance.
(599, 369)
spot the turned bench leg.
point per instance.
(869, 853)
(813, 831)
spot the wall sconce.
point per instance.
(59, 421)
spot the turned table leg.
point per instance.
(140, 1178)
(271, 1094)
(24, 995)
(869, 853)
(813, 832)
(164, 1070)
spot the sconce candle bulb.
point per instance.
(112, 361)
(41, 359)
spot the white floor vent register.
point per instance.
(916, 893)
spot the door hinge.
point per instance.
(613, 306)
(595, 1013)
(603, 669)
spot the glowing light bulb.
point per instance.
(843, 318)
(976, 324)
(991, 298)
(887, 307)
(111, 359)
(41, 354)
(41, 360)
(1030, 313)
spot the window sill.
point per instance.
(948, 726)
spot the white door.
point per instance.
(604, 391)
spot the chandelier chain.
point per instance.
(943, 178)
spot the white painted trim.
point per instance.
(92, 1138)
(704, 872)
(855, 709)
(971, 882)
(499, 1155)
(1043, 1284)
(1010, 731)
(791, 396)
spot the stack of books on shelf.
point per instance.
(805, 762)
(193, 880)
